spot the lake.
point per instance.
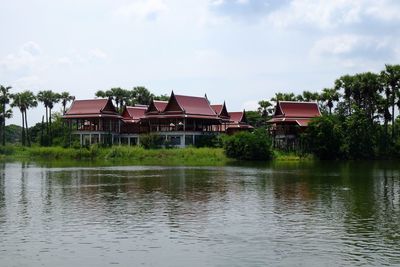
(281, 214)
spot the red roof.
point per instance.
(133, 114)
(237, 116)
(160, 105)
(191, 106)
(217, 108)
(300, 122)
(195, 105)
(91, 108)
(297, 109)
(221, 110)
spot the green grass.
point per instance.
(124, 154)
(291, 156)
(132, 155)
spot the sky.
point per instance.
(238, 51)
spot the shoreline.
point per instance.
(135, 155)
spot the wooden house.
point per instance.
(290, 119)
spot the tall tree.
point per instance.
(265, 109)
(5, 113)
(391, 78)
(283, 97)
(48, 98)
(24, 101)
(345, 83)
(65, 97)
(330, 95)
(141, 95)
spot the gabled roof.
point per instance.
(299, 122)
(292, 109)
(238, 117)
(221, 110)
(92, 108)
(156, 106)
(133, 114)
(189, 105)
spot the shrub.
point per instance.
(324, 138)
(151, 141)
(248, 146)
(209, 140)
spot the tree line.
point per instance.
(43, 133)
(359, 116)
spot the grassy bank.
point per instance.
(133, 155)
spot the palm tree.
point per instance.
(391, 78)
(48, 98)
(283, 97)
(24, 101)
(141, 95)
(346, 83)
(65, 97)
(330, 95)
(4, 100)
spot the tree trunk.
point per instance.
(64, 103)
(41, 132)
(47, 122)
(23, 130)
(393, 104)
(51, 134)
(27, 130)
(3, 125)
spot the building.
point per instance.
(290, 120)
(180, 121)
(237, 122)
(94, 121)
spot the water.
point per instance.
(321, 214)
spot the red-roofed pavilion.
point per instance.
(290, 119)
(95, 121)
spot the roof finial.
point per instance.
(205, 96)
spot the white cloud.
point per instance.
(142, 9)
(217, 2)
(97, 53)
(242, 2)
(348, 44)
(64, 61)
(337, 45)
(318, 13)
(28, 82)
(26, 56)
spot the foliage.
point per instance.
(324, 137)
(255, 119)
(151, 141)
(360, 136)
(4, 112)
(249, 146)
(209, 140)
(13, 134)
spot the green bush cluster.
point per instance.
(151, 141)
(249, 145)
(352, 137)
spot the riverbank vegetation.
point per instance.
(359, 122)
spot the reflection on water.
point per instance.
(298, 214)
